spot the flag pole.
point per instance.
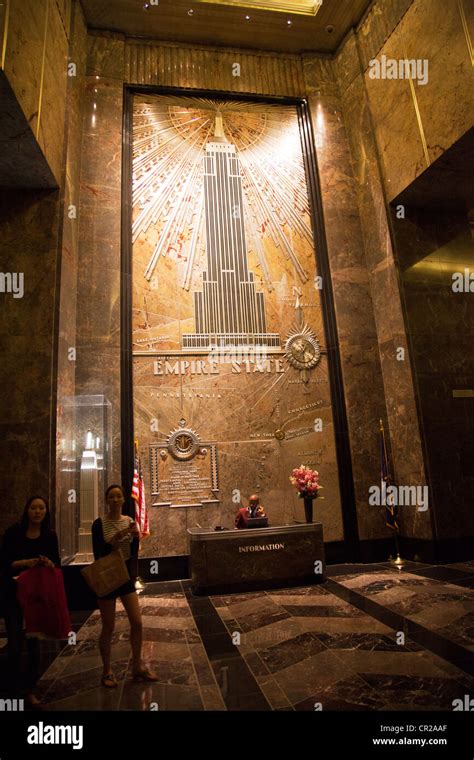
(139, 583)
(398, 562)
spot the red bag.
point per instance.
(40, 591)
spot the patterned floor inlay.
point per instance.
(370, 638)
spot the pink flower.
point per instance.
(305, 480)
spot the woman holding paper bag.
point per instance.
(118, 532)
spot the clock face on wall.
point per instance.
(302, 349)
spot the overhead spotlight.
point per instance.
(289, 22)
(247, 18)
(190, 12)
(329, 29)
(146, 6)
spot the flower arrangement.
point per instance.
(306, 481)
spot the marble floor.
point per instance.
(370, 637)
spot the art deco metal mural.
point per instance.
(227, 321)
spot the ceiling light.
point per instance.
(305, 7)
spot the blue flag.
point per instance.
(391, 508)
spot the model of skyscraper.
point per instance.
(88, 499)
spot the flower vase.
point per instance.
(308, 508)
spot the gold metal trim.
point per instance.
(418, 114)
(466, 30)
(5, 35)
(40, 102)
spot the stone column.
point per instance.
(98, 287)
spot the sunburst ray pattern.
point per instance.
(169, 138)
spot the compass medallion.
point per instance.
(183, 443)
(302, 348)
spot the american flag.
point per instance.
(138, 494)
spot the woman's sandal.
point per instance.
(144, 675)
(33, 702)
(109, 681)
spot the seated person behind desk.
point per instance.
(246, 514)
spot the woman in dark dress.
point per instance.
(118, 532)
(29, 543)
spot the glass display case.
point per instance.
(85, 459)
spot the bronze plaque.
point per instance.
(183, 481)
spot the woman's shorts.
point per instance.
(126, 588)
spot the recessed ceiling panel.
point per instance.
(229, 25)
(305, 7)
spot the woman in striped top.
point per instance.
(118, 532)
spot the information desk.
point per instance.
(232, 560)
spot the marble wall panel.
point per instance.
(51, 119)
(168, 532)
(319, 76)
(100, 312)
(22, 443)
(415, 123)
(35, 64)
(433, 31)
(347, 65)
(105, 57)
(378, 26)
(24, 53)
(400, 142)
(29, 228)
(29, 225)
